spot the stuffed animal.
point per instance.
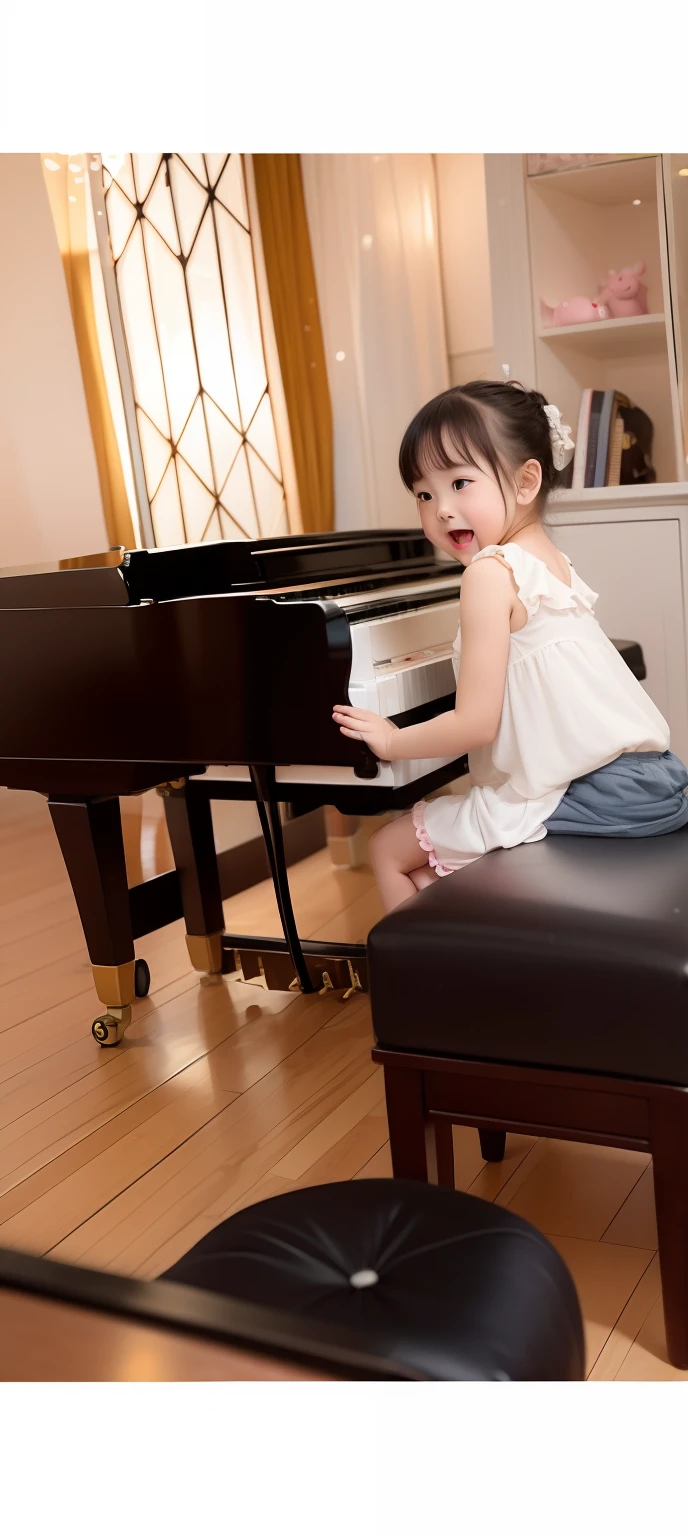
(624, 294)
(578, 311)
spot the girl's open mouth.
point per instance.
(461, 537)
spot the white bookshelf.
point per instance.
(556, 236)
(553, 237)
(637, 336)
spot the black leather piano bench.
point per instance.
(444, 1286)
(544, 989)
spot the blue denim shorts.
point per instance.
(640, 794)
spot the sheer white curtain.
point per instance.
(374, 234)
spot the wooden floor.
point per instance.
(222, 1095)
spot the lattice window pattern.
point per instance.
(181, 242)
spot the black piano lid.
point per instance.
(300, 560)
(117, 577)
(91, 581)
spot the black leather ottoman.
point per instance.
(545, 989)
(450, 1287)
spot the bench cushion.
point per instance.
(570, 953)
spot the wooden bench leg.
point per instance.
(492, 1145)
(669, 1145)
(406, 1117)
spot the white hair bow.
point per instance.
(563, 446)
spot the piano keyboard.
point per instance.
(404, 660)
(400, 660)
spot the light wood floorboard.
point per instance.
(225, 1095)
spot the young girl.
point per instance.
(561, 737)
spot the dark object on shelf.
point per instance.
(593, 435)
(636, 456)
(585, 946)
(614, 443)
(446, 1286)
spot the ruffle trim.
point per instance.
(426, 843)
(536, 584)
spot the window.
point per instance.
(181, 241)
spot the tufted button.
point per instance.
(362, 1278)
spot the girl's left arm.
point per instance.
(487, 601)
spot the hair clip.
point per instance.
(563, 446)
(507, 372)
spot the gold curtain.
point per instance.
(298, 333)
(66, 179)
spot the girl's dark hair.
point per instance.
(497, 421)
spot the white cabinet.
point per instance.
(636, 566)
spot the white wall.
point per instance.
(50, 504)
(373, 230)
(465, 266)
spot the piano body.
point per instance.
(211, 671)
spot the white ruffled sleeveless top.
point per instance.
(570, 705)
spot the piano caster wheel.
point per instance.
(109, 1028)
(142, 979)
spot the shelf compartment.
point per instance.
(610, 183)
(634, 337)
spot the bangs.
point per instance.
(451, 429)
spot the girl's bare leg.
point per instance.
(397, 860)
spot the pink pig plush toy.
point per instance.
(578, 311)
(624, 294)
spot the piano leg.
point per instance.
(263, 780)
(190, 828)
(344, 839)
(89, 832)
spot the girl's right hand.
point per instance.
(362, 725)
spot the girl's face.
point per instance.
(462, 508)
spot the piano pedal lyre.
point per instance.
(355, 983)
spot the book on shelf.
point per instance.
(616, 442)
(593, 435)
(599, 441)
(578, 480)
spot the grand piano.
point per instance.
(210, 672)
